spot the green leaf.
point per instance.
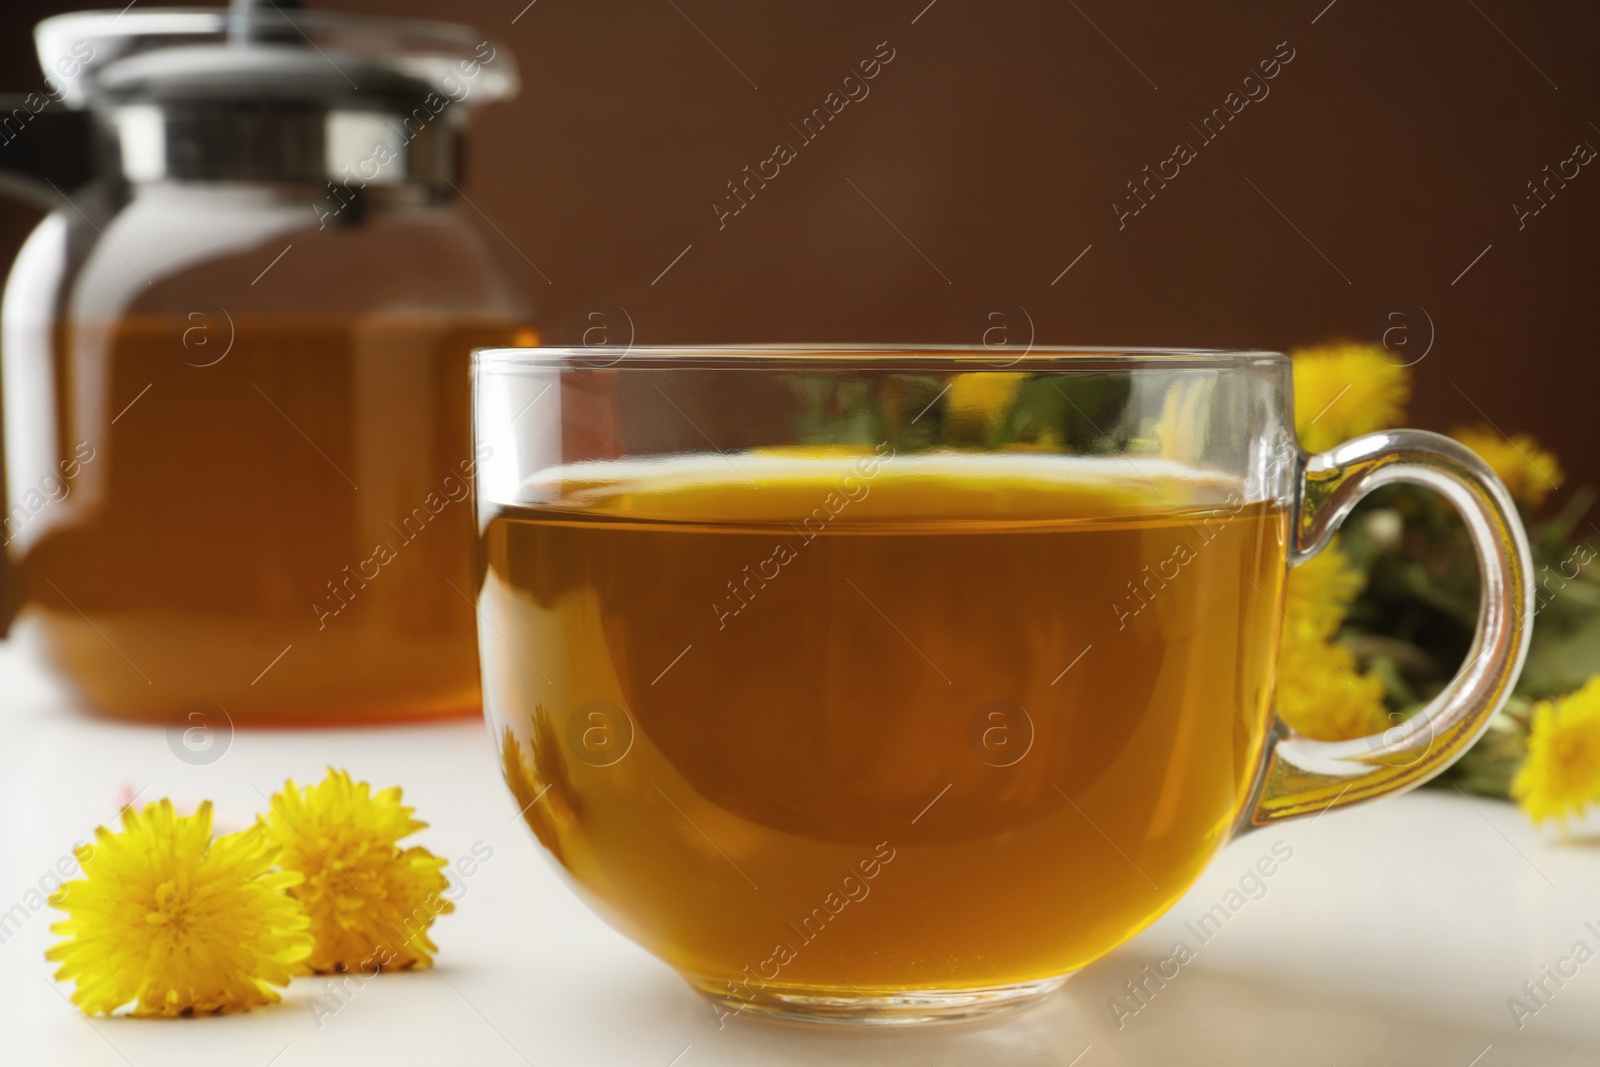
(1561, 660)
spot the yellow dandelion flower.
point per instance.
(1561, 776)
(980, 398)
(1319, 593)
(371, 902)
(1528, 470)
(1323, 694)
(176, 921)
(1345, 390)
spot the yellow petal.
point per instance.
(1345, 390)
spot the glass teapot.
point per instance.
(235, 362)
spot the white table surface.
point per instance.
(1395, 935)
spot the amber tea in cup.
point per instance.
(851, 698)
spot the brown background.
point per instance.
(1396, 141)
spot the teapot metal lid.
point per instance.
(267, 92)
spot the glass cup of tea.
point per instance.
(887, 684)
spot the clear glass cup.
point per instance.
(885, 685)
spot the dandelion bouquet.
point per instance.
(1378, 623)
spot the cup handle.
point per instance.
(1303, 775)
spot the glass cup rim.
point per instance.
(892, 357)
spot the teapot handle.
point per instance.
(45, 148)
(45, 156)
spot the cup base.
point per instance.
(852, 1007)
